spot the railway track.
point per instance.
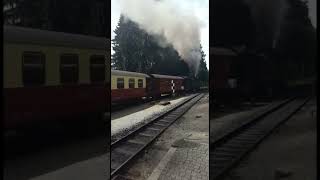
(126, 149)
(227, 150)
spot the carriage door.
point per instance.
(149, 86)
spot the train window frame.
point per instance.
(132, 85)
(140, 83)
(120, 87)
(92, 66)
(76, 79)
(42, 63)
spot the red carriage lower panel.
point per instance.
(27, 104)
(118, 95)
(166, 85)
(221, 72)
(178, 83)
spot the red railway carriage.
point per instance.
(240, 76)
(223, 85)
(127, 86)
(165, 84)
(221, 66)
(53, 76)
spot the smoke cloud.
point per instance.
(268, 16)
(312, 5)
(176, 27)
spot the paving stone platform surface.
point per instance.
(190, 161)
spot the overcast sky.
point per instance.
(199, 7)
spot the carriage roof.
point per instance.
(128, 73)
(166, 76)
(222, 51)
(15, 34)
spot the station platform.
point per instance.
(186, 160)
(188, 154)
(94, 168)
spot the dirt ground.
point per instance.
(288, 153)
(192, 126)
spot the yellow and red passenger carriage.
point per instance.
(53, 76)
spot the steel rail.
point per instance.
(229, 149)
(126, 149)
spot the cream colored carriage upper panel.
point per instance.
(18, 40)
(126, 75)
(13, 63)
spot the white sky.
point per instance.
(199, 7)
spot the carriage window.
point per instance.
(120, 83)
(140, 83)
(33, 68)
(131, 83)
(97, 69)
(69, 68)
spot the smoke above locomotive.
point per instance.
(175, 27)
(268, 16)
